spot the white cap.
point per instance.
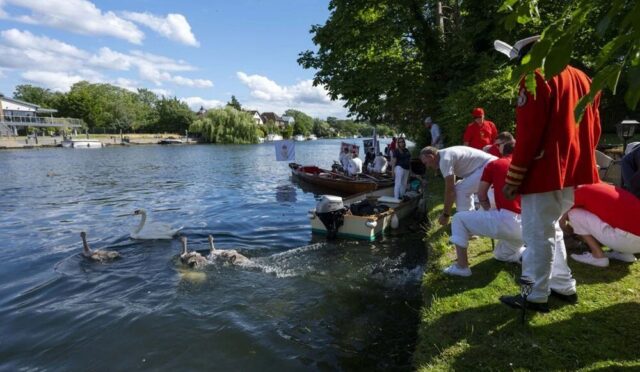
(428, 120)
(513, 51)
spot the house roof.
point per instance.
(37, 108)
(266, 116)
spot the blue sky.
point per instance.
(199, 51)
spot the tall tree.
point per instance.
(174, 115)
(32, 94)
(302, 124)
(234, 103)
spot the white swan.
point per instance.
(192, 259)
(152, 230)
(230, 256)
(97, 255)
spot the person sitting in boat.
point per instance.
(502, 223)
(379, 165)
(354, 166)
(345, 157)
(368, 159)
(400, 167)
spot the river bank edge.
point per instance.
(28, 142)
(463, 326)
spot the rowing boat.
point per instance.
(334, 181)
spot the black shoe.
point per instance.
(572, 298)
(517, 301)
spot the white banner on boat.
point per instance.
(285, 150)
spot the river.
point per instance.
(304, 304)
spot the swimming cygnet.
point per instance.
(192, 259)
(230, 256)
(97, 255)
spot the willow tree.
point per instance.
(226, 125)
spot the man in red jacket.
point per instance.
(554, 154)
(479, 132)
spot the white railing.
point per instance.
(35, 121)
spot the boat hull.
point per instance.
(332, 181)
(82, 144)
(368, 227)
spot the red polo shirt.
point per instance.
(615, 206)
(495, 150)
(495, 173)
(480, 135)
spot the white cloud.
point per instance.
(303, 96)
(174, 26)
(162, 92)
(27, 40)
(79, 16)
(130, 85)
(21, 50)
(58, 81)
(196, 102)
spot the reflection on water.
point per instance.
(303, 303)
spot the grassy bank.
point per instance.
(464, 326)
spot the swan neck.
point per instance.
(85, 246)
(184, 247)
(142, 221)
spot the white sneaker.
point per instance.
(587, 258)
(624, 257)
(456, 270)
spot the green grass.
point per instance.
(465, 327)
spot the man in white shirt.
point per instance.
(345, 157)
(355, 165)
(436, 137)
(457, 162)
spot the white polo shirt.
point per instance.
(461, 161)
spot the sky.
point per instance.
(199, 51)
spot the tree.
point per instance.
(226, 125)
(303, 123)
(234, 103)
(39, 96)
(615, 42)
(174, 115)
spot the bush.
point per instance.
(495, 94)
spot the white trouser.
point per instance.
(401, 179)
(587, 223)
(495, 224)
(545, 259)
(466, 188)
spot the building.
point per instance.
(255, 115)
(17, 114)
(289, 120)
(273, 117)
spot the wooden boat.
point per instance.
(368, 227)
(334, 181)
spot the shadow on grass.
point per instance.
(492, 337)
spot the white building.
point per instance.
(16, 113)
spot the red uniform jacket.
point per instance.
(552, 150)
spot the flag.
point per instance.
(285, 150)
(351, 147)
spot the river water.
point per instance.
(304, 303)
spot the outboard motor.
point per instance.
(330, 210)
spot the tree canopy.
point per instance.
(398, 61)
